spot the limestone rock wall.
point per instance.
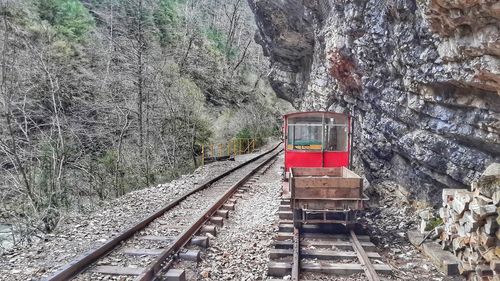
(421, 79)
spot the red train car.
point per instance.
(317, 139)
(318, 182)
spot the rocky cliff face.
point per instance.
(421, 79)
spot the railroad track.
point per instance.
(146, 250)
(329, 250)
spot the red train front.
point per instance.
(317, 139)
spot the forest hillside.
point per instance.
(102, 97)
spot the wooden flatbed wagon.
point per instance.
(325, 195)
(317, 154)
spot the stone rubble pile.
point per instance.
(470, 226)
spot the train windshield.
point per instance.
(318, 132)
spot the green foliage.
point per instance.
(96, 95)
(49, 197)
(69, 18)
(166, 18)
(108, 160)
(219, 42)
(123, 176)
(217, 38)
(244, 134)
(44, 172)
(191, 100)
(203, 131)
(433, 223)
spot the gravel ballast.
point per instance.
(81, 232)
(240, 251)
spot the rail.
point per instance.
(85, 260)
(363, 258)
(296, 254)
(156, 267)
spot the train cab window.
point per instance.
(305, 133)
(317, 133)
(336, 134)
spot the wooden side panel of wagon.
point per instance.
(326, 191)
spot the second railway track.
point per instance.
(144, 251)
